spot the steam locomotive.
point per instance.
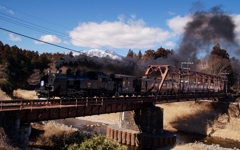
(89, 84)
(95, 83)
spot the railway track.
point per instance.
(20, 104)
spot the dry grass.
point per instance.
(46, 130)
(184, 115)
(4, 96)
(202, 118)
(198, 146)
(111, 118)
(25, 94)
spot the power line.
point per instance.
(36, 27)
(42, 29)
(39, 40)
(34, 16)
(23, 22)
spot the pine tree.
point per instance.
(130, 54)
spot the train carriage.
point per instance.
(99, 84)
(123, 84)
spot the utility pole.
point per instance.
(186, 63)
(188, 69)
(238, 84)
(226, 79)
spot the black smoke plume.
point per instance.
(107, 65)
(206, 29)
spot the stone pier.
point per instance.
(142, 128)
(17, 133)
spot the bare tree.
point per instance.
(214, 65)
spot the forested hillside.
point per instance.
(20, 68)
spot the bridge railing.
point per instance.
(9, 105)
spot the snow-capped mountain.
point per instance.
(99, 53)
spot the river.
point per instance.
(182, 137)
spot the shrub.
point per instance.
(99, 142)
(64, 140)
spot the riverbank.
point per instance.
(206, 118)
(42, 132)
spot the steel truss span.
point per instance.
(172, 80)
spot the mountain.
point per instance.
(99, 53)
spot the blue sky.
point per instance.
(117, 25)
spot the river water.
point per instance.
(182, 137)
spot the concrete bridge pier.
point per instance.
(142, 128)
(17, 133)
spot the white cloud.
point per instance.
(7, 10)
(170, 44)
(171, 13)
(66, 42)
(178, 23)
(2, 7)
(121, 18)
(236, 19)
(13, 37)
(11, 12)
(49, 38)
(119, 34)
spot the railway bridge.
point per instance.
(139, 116)
(139, 113)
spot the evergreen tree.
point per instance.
(139, 56)
(130, 53)
(222, 53)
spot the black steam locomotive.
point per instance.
(90, 84)
(95, 83)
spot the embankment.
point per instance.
(207, 118)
